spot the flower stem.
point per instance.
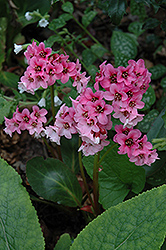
(52, 102)
(95, 183)
(84, 178)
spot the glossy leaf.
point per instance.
(147, 121)
(57, 23)
(148, 98)
(68, 7)
(157, 129)
(157, 71)
(124, 43)
(29, 5)
(19, 226)
(69, 150)
(99, 50)
(138, 223)
(64, 242)
(117, 178)
(4, 108)
(54, 181)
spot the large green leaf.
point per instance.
(64, 242)
(117, 178)
(54, 181)
(69, 149)
(68, 7)
(19, 227)
(124, 43)
(137, 224)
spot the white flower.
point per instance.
(57, 101)
(43, 22)
(17, 48)
(42, 102)
(28, 16)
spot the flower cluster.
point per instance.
(46, 67)
(124, 87)
(89, 117)
(118, 91)
(20, 121)
(138, 150)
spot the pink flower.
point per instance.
(43, 52)
(128, 142)
(39, 114)
(52, 134)
(99, 109)
(12, 125)
(125, 75)
(69, 69)
(110, 74)
(24, 118)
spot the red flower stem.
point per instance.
(84, 178)
(96, 184)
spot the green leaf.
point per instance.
(30, 5)
(88, 17)
(164, 119)
(147, 121)
(19, 226)
(148, 98)
(157, 71)
(136, 28)
(151, 23)
(64, 242)
(121, 59)
(115, 9)
(117, 178)
(156, 166)
(3, 25)
(98, 49)
(54, 181)
(163, 83)
(163, 25)
(9, 79)
(161, 103)
(68, 7)
(69, 149)
(92, 70)
(57, 23)
(157, 129)
(148, 3)
(4, 108)
(159, 178)
(138, 223)
(138, 9)
(88, 57)
(124, 43)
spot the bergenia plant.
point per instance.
(116, 92)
